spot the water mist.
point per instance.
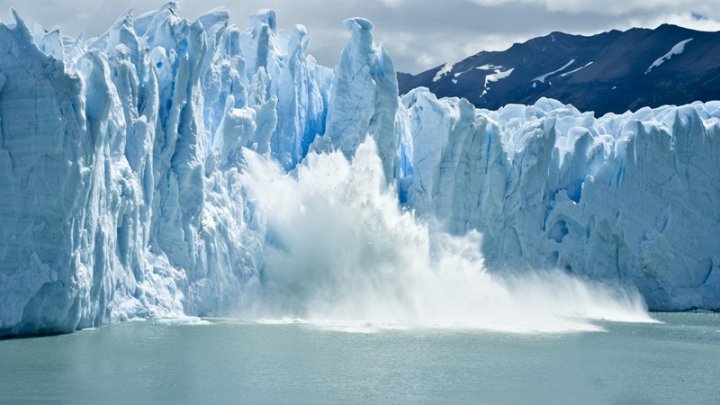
(341, 253)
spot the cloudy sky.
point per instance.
(419, 34)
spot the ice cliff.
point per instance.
(632, 198)
(121, 164)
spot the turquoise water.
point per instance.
(233, 362)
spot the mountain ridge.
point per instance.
(614, 71)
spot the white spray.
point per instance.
(341, 253)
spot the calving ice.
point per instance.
(172, 167)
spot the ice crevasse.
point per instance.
(121, 160)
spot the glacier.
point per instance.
(632, 198)
(124, 161)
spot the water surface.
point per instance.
(235, 362)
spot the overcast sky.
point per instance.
(419, 34)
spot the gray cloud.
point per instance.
(418, 33)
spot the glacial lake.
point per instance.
(223, 361)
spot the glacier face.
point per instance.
(632, 198)
(121, 164)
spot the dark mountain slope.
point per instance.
(609, 72)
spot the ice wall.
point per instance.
(632, 198)
(364, 98)
(121, 159)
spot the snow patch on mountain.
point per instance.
(677, 49)
(495, 77)
(542, 78)
(576, 70)
(447, 68)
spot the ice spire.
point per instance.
(364, 97)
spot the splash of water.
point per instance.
(341, 253)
